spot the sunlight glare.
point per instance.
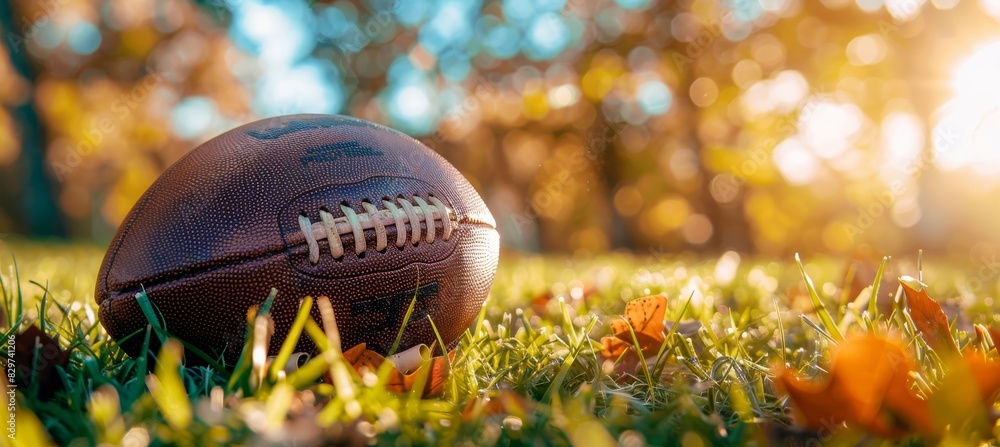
(904, 10)
(829, 128)
(991, 7)
(796, 162)
(967, 135)
(783, 94)
(902, 141)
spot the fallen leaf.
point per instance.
(815, 404)
(352, 355)
(928, 316)
(436, 369)
(964, 397)
(645, 315)
(50, 355)
(437, 374)
(986, 374)
(994, 333)
(868, 387)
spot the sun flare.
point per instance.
(967, 134)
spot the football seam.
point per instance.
(194, 272)
(118, 242)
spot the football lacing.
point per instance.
(331, 228)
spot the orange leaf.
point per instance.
(815, 405)
(868, 387)
(994, 333)
(987, 376)
(646, 317)
(352, 355)
(613, 347)
(436, 377)
(367, 361)
(928, 316)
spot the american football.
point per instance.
(312, 205)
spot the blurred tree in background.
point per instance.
(707, 125)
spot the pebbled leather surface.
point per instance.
(219, 229)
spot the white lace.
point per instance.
(332, 228)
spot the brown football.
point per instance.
(311, 205)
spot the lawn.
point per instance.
(537, 368)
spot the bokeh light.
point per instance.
(968, 133)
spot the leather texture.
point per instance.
(220, 228)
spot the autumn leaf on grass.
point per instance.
(40, 368)
(992, 332)
(868, 387)
(645, 315)
(986, 374)
(433, 371)
(928, 316)
(965, 395)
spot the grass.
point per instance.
(529, 372)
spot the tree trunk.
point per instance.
(35, 211)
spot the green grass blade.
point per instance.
(845, 289)
(831, 328)
(406, 319)
(292, 339)
(18, 315)
(822, 331)
(441, 345)
(781, 330)
(240, 378)
(873, 301)
(152, 314)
